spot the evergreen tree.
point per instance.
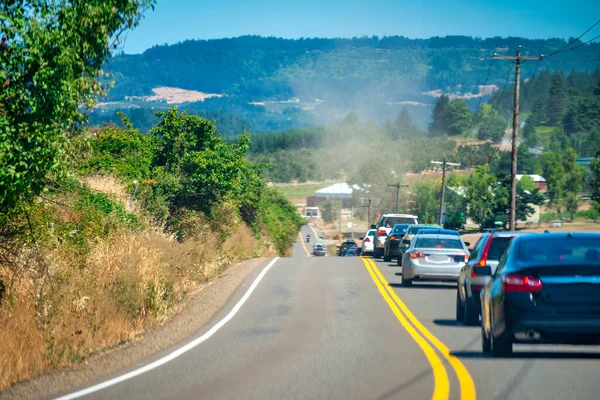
(439, 116)
(459, 117)
(557, 100)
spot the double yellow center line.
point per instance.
(426, 341)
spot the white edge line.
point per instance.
(173, 355)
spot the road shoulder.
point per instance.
(194, 314)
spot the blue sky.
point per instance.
(173, 21)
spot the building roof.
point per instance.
(534, 177)
(342, 190)
(584, 160)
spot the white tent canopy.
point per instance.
(338, 191)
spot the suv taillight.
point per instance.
(513, 283)
(367, 240)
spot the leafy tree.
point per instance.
(330, 210)
(595, 181)
(554, 174)
(458, 117)
(492, 129)
(439, 116)
(480, 195)
(557, 100)
(573, 181)
(50, 63)
(426, 203)
(403, 127)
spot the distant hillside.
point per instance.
(282, 83)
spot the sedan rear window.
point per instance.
(559, 250)
(438, 243)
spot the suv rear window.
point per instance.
(498, 247)
(389, 222)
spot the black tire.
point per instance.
(460, 310)
(500, 347)
(377, 253)
(486, 345)
(406, 282)
(471, 314)
(399, 262)
(387, 258)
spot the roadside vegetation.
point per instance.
(103, 232)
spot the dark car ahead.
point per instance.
(486, 253)
(393, 242)
(353, 251)
(546, 289)
(345, 246)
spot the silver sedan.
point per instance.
(434, 257)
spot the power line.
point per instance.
(575, 61)
(582, 44)
(573, 41)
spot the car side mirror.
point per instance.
(361, 238)
(484, 271)
(373, 227)
(467, 244)
(406, 241)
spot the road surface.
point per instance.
(344, 328)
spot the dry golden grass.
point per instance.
(60, 308)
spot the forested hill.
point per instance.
(262, 68)
(278, 84)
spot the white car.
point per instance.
(386, 223)
(368, 242)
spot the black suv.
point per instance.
(393, 242)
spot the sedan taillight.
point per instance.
(417, 255)
(513, 283)
(382, 232)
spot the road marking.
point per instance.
(440, 377)
(303, 245)
(182, 350)
(467, 387)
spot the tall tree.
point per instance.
(459, 117)
(51, 58)
(595, 181)
(573, 181)
(480, 196)
(557, 100)
(439, 116)
(554, 174)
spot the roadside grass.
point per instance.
(98, 275)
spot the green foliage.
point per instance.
(554, 174)
(480, 195)
(557, 100)
(281, 220)
(595, 173)
(330, 210)
(51, 60)
(439, 117)
(459, 117)
(122, 151)
(426, 203)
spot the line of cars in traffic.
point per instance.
(519, 287)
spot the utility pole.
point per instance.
(444, 165)
(397, 186)
(369, 214)
(513, 165)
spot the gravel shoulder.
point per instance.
(194, 314)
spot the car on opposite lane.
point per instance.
(487, 252)
(434, 257)
(385, 225)
(319, 250)
(546, 289)
(368, 242)
(393, 242)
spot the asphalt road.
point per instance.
(343, 328)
